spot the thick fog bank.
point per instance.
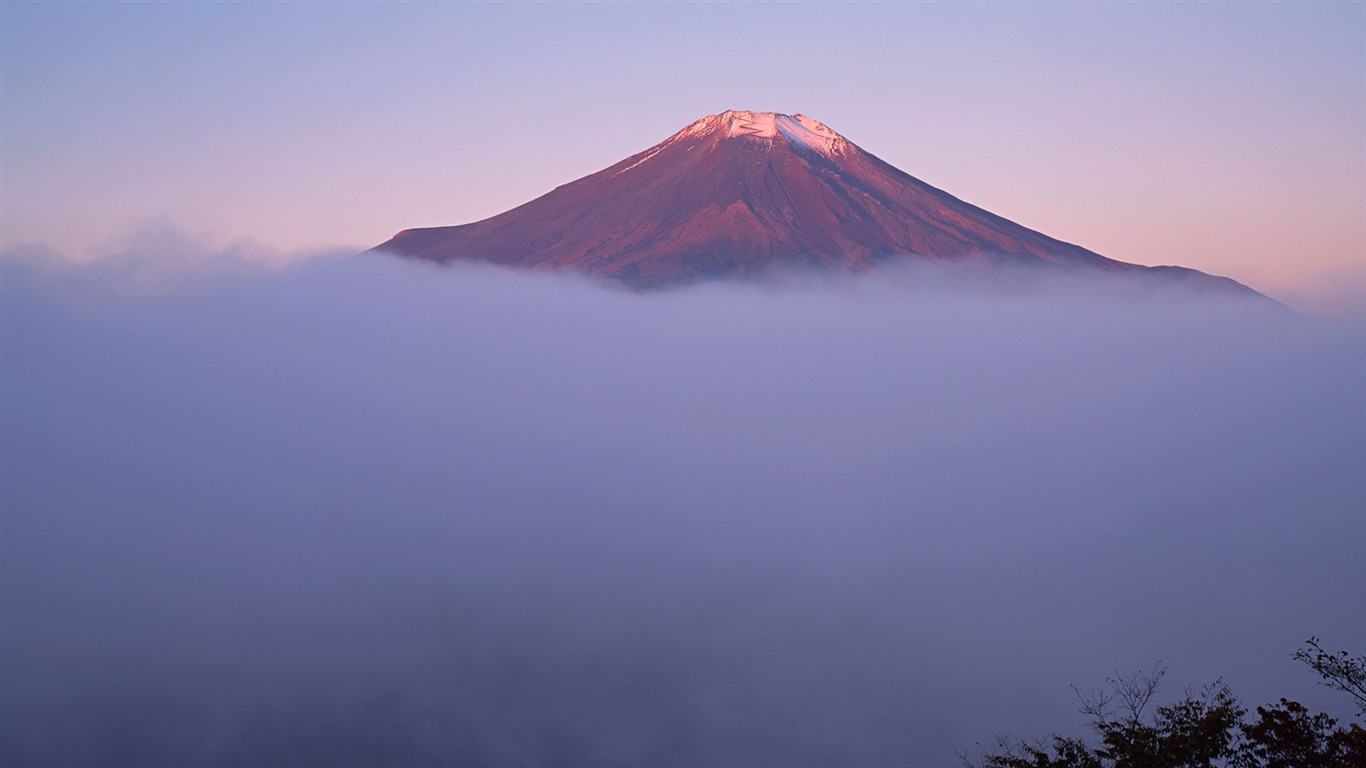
(376, 513)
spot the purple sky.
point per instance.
(1226, 137)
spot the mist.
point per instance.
(371, 512)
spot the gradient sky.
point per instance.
(1226, 137)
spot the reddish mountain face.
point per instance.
(739, 193)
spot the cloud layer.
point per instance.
(376, 513)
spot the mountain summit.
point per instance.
(739, 193)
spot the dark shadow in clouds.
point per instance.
(370, 512)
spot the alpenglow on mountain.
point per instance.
(740, 193)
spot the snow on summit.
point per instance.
(797, 130)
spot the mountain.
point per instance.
(739, 193)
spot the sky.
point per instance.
(1226, 137)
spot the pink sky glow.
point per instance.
(1230, 138)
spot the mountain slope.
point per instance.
(738, 193)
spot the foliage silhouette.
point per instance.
(1339, 671)
(1204, 729)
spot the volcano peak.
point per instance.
(740, 192)
(797, 131)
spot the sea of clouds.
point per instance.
(364, 511)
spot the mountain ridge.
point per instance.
(739, 193)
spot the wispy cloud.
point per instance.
(376, 511)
